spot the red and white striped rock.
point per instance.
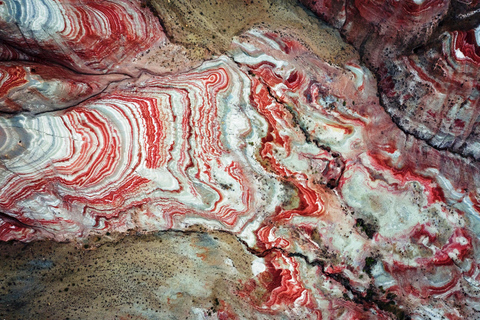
(254, 148)
(36, 87)
(291, 154)
(157, 152)
(88, 36)
(408, 203)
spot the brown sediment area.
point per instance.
(206, 28)
(140, 276)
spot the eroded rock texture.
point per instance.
(426, 56)
(260, 169)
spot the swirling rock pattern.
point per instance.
(90, 37)
(184, 154)
(431, 94)
(36, 88)
(425, 54)
(342, 210)
(367, 142)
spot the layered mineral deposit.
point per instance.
(239, 159)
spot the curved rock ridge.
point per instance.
(88, 36)
(36, 88)
(386, 29)
(379, 28)
(435, 95)
(8, 53)
(425, 54)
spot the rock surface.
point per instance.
(239, 160)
